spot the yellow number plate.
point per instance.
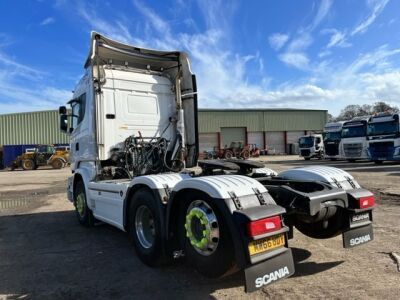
(266, 244)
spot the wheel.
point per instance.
(210, 155)
(246, 154)
(57, 163)
(205, 237)
(83, 212)
(307, 158)
(378, 162)
(28, 164)
(145, 227)
(228, 154)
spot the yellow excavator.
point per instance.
(42, 155)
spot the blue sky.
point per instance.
(290, 53)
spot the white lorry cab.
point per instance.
(332, 136)
(354, 143)
(384, 137)
(311, 146)
(134, 140)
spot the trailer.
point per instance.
(134, 143)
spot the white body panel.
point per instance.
(141, 103)
(330, 175)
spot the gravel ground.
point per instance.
(45, 254)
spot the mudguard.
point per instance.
(242, 199)
(333, 176)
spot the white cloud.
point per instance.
(278, 40)
(295, 59)
(322, 12)
(377, 6)
(338, 38)
(47, 21)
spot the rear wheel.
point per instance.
(83, 212)
(28, 164)
(206, 239)
(57, 163)
(145, 227)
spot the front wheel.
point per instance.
(83, 212)
(228, 154)
(145, 227)
(57, 163)
(206, 239)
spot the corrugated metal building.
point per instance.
(272, 129)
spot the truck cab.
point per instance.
(311, 146)
(332, 136)
(354, 143)
(384, 137)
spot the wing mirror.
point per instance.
(62, 110)
(64, 123)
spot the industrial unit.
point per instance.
(276, 130)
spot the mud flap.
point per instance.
(269, 271)
(357, 236)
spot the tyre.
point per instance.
(245, 154)
(57, 163)
(145, 227)
(205, 237)
(228, 154)
(28, 164)
(83, 212)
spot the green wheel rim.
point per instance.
(80, 204)
(202, 228)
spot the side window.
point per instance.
(78, 110)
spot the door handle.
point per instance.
(76, 146)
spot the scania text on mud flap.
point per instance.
(133, 139)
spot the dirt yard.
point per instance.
(46, 254)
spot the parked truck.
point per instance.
(354, 143)
(134, 141)
(384, 137)
(332, 136)
(311, 146)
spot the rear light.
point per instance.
(264, 226)
(365, 202)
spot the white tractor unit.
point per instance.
(332, 137)
(311, 146)
(354, 143)
(134, 140)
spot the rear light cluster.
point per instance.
(263, 226)
(365, 202)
